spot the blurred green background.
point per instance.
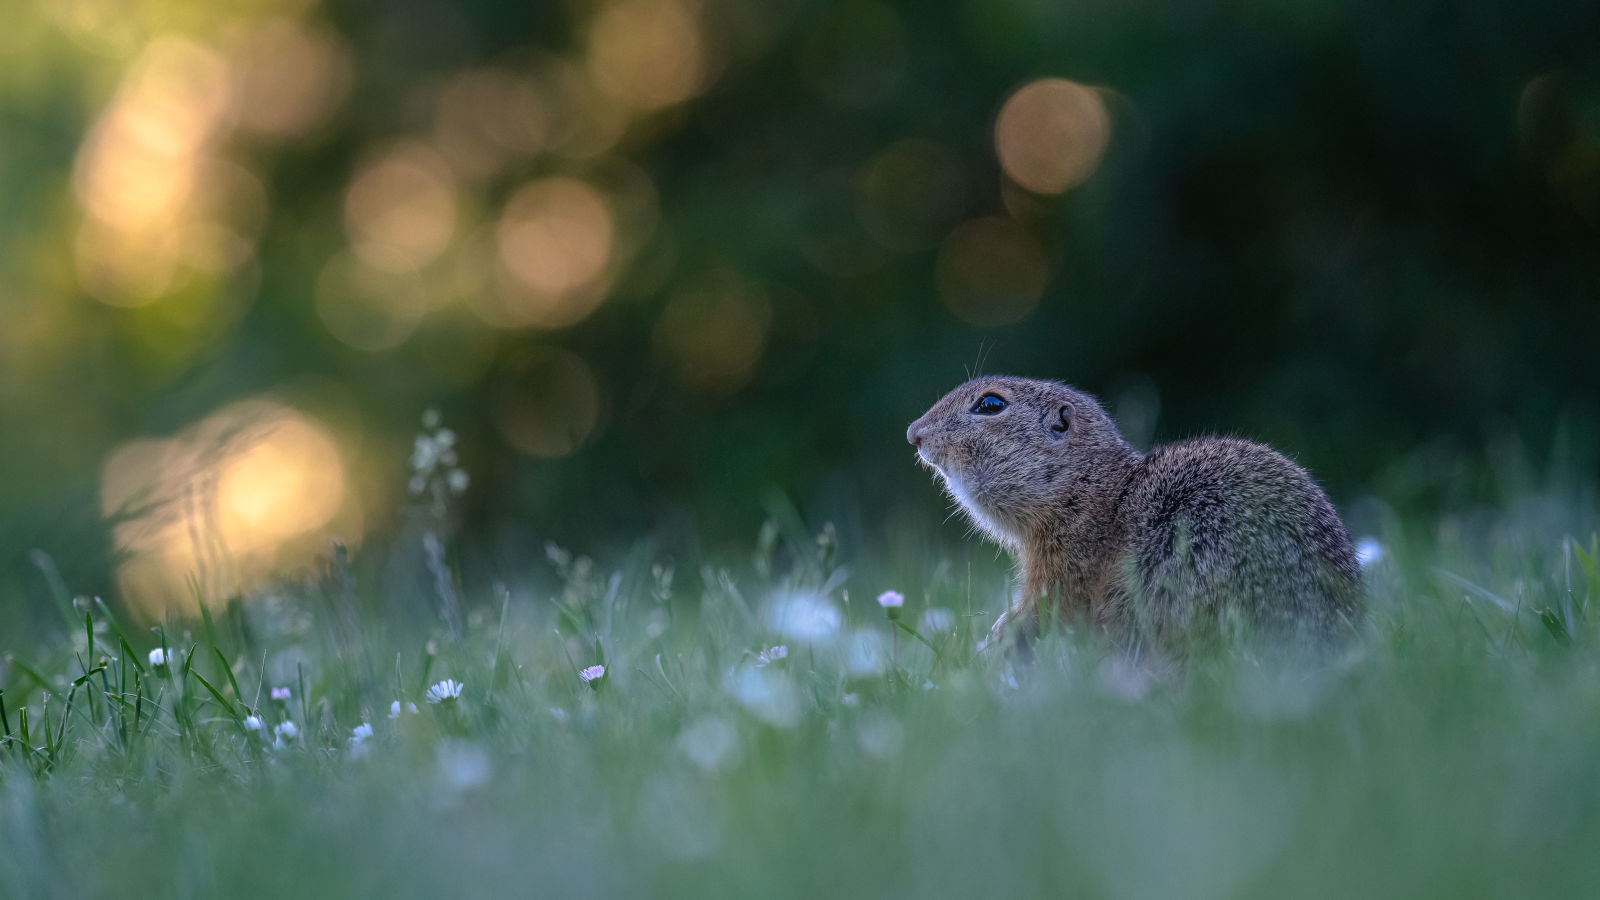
(657, 261)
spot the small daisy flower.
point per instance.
(772, 655)
(280, 695)
(891, 601)
(448, 689)
(592, 674)
(394, 709)
(252, 723)
(158, 657)
(285, 731)
(360, 733)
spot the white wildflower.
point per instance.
(458, 481)
(592, 674)
(709, 743)
(1368, 551)
(280, 694)
(448, 689)
(424, 455)
(891, 600)
(767, 695)
(252, 723)
(557, 556)
(158, 656)
(866, 652)
(284, 732)
(394, 709)
(444, 439)
(360, 733)
(803, 617)
(772, 655)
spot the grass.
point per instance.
(1453, 754)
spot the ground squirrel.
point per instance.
(1206, 537)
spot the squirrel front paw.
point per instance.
(1013, 632)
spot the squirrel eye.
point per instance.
(988, 405)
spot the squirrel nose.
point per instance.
(914, 434)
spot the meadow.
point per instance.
(673, 269)
(765, 726)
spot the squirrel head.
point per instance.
(1015, 452)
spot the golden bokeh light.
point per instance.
(137, 165)
(1051, 134)
(400, 209)
(648, 53)
(125, 268)
(370, 307)
(284, 478)
(487, 117)
(287, 78)
(227, 502)
(991, 272)
(549, 404)
(554, 241)
(713, 334)
(145, 171)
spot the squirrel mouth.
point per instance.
(948, 475)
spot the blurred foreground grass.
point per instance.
(1453, 753)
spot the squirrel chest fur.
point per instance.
(1213, 536)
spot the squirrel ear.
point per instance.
(1063, 420)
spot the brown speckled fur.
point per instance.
(1212, 537)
